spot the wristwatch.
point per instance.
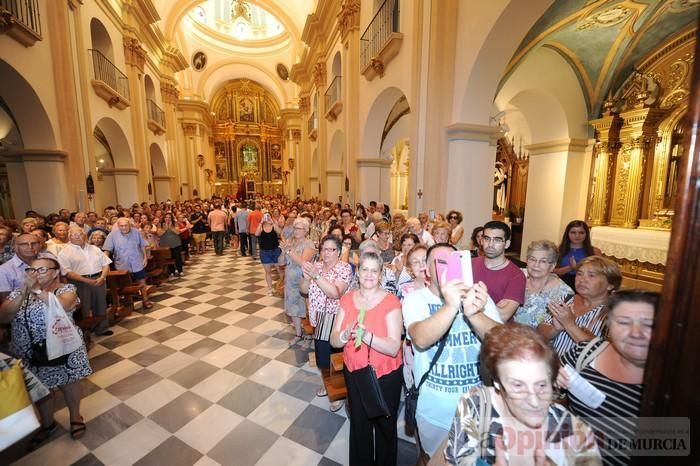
(317, 277)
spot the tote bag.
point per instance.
(61, 335)
(17, 416)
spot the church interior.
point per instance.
(536, 112)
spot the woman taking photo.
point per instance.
(542, 285)
(372, 441)
(583, 317)
(616, 369)
(326, 282)
(400, 262)
(269, 233)
(297, 250)
(417, 262)
(574, 247)
(26, 310)
(515, 421)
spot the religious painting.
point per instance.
(249, 158)
(275, 152)
(276, 173)
(245, 110)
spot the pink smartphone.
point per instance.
(457, 265)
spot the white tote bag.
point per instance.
(61, 335)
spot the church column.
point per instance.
(37, 179)
(608, 130)
(373, 180)
(170, 95)
(303, 162)
(471, 158)
(349, 26)
(126, 181)
(135, 58)
(554, 188)
(319, 78)
(638, 139)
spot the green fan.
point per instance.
(360, 331)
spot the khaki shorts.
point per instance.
(199, 237)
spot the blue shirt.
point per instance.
(127, 250)
(12, 274)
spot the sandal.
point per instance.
(148, 305)
(77, 430)
(42, 435)
(295, 340)
(321, 392)
(336, 406)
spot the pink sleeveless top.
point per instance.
(375, 322)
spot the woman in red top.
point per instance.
(372, 441)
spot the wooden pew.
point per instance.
(334, 381)
(160, 267)
(121, 292)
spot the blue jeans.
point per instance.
(253, 245)
(218, 237)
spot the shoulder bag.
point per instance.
(411, 398)
(370, 392)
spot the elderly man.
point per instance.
(86, 267)
(27, 248)
(414, 226)
(128, 249)
(59, 240)
(80, 220)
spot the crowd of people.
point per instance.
(491, 361)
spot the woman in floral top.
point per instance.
(542, 285)
(515, 421)
(327, 280)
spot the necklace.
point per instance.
(499, 266)
(541, 288)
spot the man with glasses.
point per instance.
(12, 272)
(505, 281)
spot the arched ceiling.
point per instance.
(604, 39)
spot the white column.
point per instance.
(471, 162)
(126, 183)
(373, 181)
(556, 188)
(37, 180)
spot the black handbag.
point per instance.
(40, 357)
(371, 396)
(411, 398)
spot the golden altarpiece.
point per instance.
(248, 142)
(636, 159)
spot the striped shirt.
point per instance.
(593, 320)
(616, 417)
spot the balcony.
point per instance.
(20, 20)
(333, 97)
(313, 127)
(109, 83)
(156, 117)
(381, 41)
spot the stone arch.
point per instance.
(376, 120)
(100, 39)
(149, 88)
(337, 66)
(118, 142)
(124, 174)
(26, 110)
(216, 75)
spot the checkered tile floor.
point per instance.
(206, 377)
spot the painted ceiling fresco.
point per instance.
(603, 40)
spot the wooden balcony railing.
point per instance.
(20, 20)
(109, 83)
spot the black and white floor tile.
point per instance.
(206, 377)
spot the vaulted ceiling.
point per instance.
(603, 40)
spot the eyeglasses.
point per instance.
(452, 217)
(522, 392)
(39, 270)
(534, 261)
(488, 239)
(418, 262)
(329, 249)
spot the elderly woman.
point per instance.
(97, 238)
(86, 267)
(298, 249)
(442, 232)
(387, 279)
(398, 229)
(26, 310)
(384, 241)
(616, 369)
(368, 328)
(542, 285)
(417, 263)
(515, 421)
(583, 317)
(454, 218)
(59, 240)
(326, 282)
(28, 225)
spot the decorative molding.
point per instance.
(559, 145)
(304, 104)
(120, 171)
(373, 163)
(34, 155)
(10, 25)
(110, 95)
(335, 173)
(134, 54)
(470, 132)
(319, 75)
(190, 129)
(377, 64)
(74, 4)
(173, 59)
(349, 18)
(169, 92)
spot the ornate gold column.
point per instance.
(638, 139)
(608, 131)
